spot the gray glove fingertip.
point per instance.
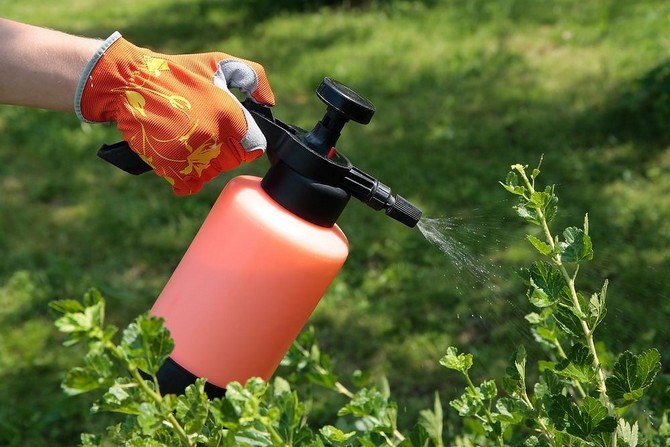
(237, 74)
(254, 138)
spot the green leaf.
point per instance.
(597, 309)
(432, 421)
(467, 404)
(455, 361)
(585, 421)
(535, 173)
(540, 246)
(512, 184)
(627, 433)
(192, 407)
(546, 335)
(511, 411)
(86, 322)
(149, 418)
(546, 284)
(92, 298)
(527, 212)
(568, 322)
(632, 375)
(291, 410)
(488, 390)
(124, 396)
(578, 366)
(147, 343)
(550, 383)
(550, 205)
(98, 372)
(335, 435)
(89, 440)
(66, 306)
(514, 381)
(577, 246)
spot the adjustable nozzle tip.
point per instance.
(404, 212)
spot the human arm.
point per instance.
(41, 67)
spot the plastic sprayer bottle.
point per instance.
(268, 249)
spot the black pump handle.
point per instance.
(122, 156)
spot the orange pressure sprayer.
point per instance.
(268, 249)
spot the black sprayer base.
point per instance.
(173, 379)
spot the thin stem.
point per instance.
(343, 390)
(570, 280)
(155, 396)
(543, 426)
(487, 411)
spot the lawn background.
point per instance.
(463, 89)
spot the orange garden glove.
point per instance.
(176, 112)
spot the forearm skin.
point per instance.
(40, 67)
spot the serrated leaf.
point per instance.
(546, 284)
(287, 403)
(567, 321)
(98, 372)
(576, 247)
(192, 407)
(527, 212)
(632, 375)
(147, 343)
(540, 246)
(88, 321)
(516, 190)
(149, 418)
(488, 390)
(546, 335)
(253, 437)
(89, 440)
(627, 433)
(551, 206)
(66, 306)
(515, 373)
(123, 396)
(432, 421)
(373, 409)
(533, 318)
(554, 384)
(585, 421)
(335, 435)
(511, 411)
(578, 366)
(418, 437)
(455, 361)
(466, 404)
(512, 184)
(597, 309)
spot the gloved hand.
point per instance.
(176, 112)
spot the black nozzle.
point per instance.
(403, 211)
(378, 196)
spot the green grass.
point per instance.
(462, 89)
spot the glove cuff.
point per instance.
(86, 74)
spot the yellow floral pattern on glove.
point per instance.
(198, 159)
